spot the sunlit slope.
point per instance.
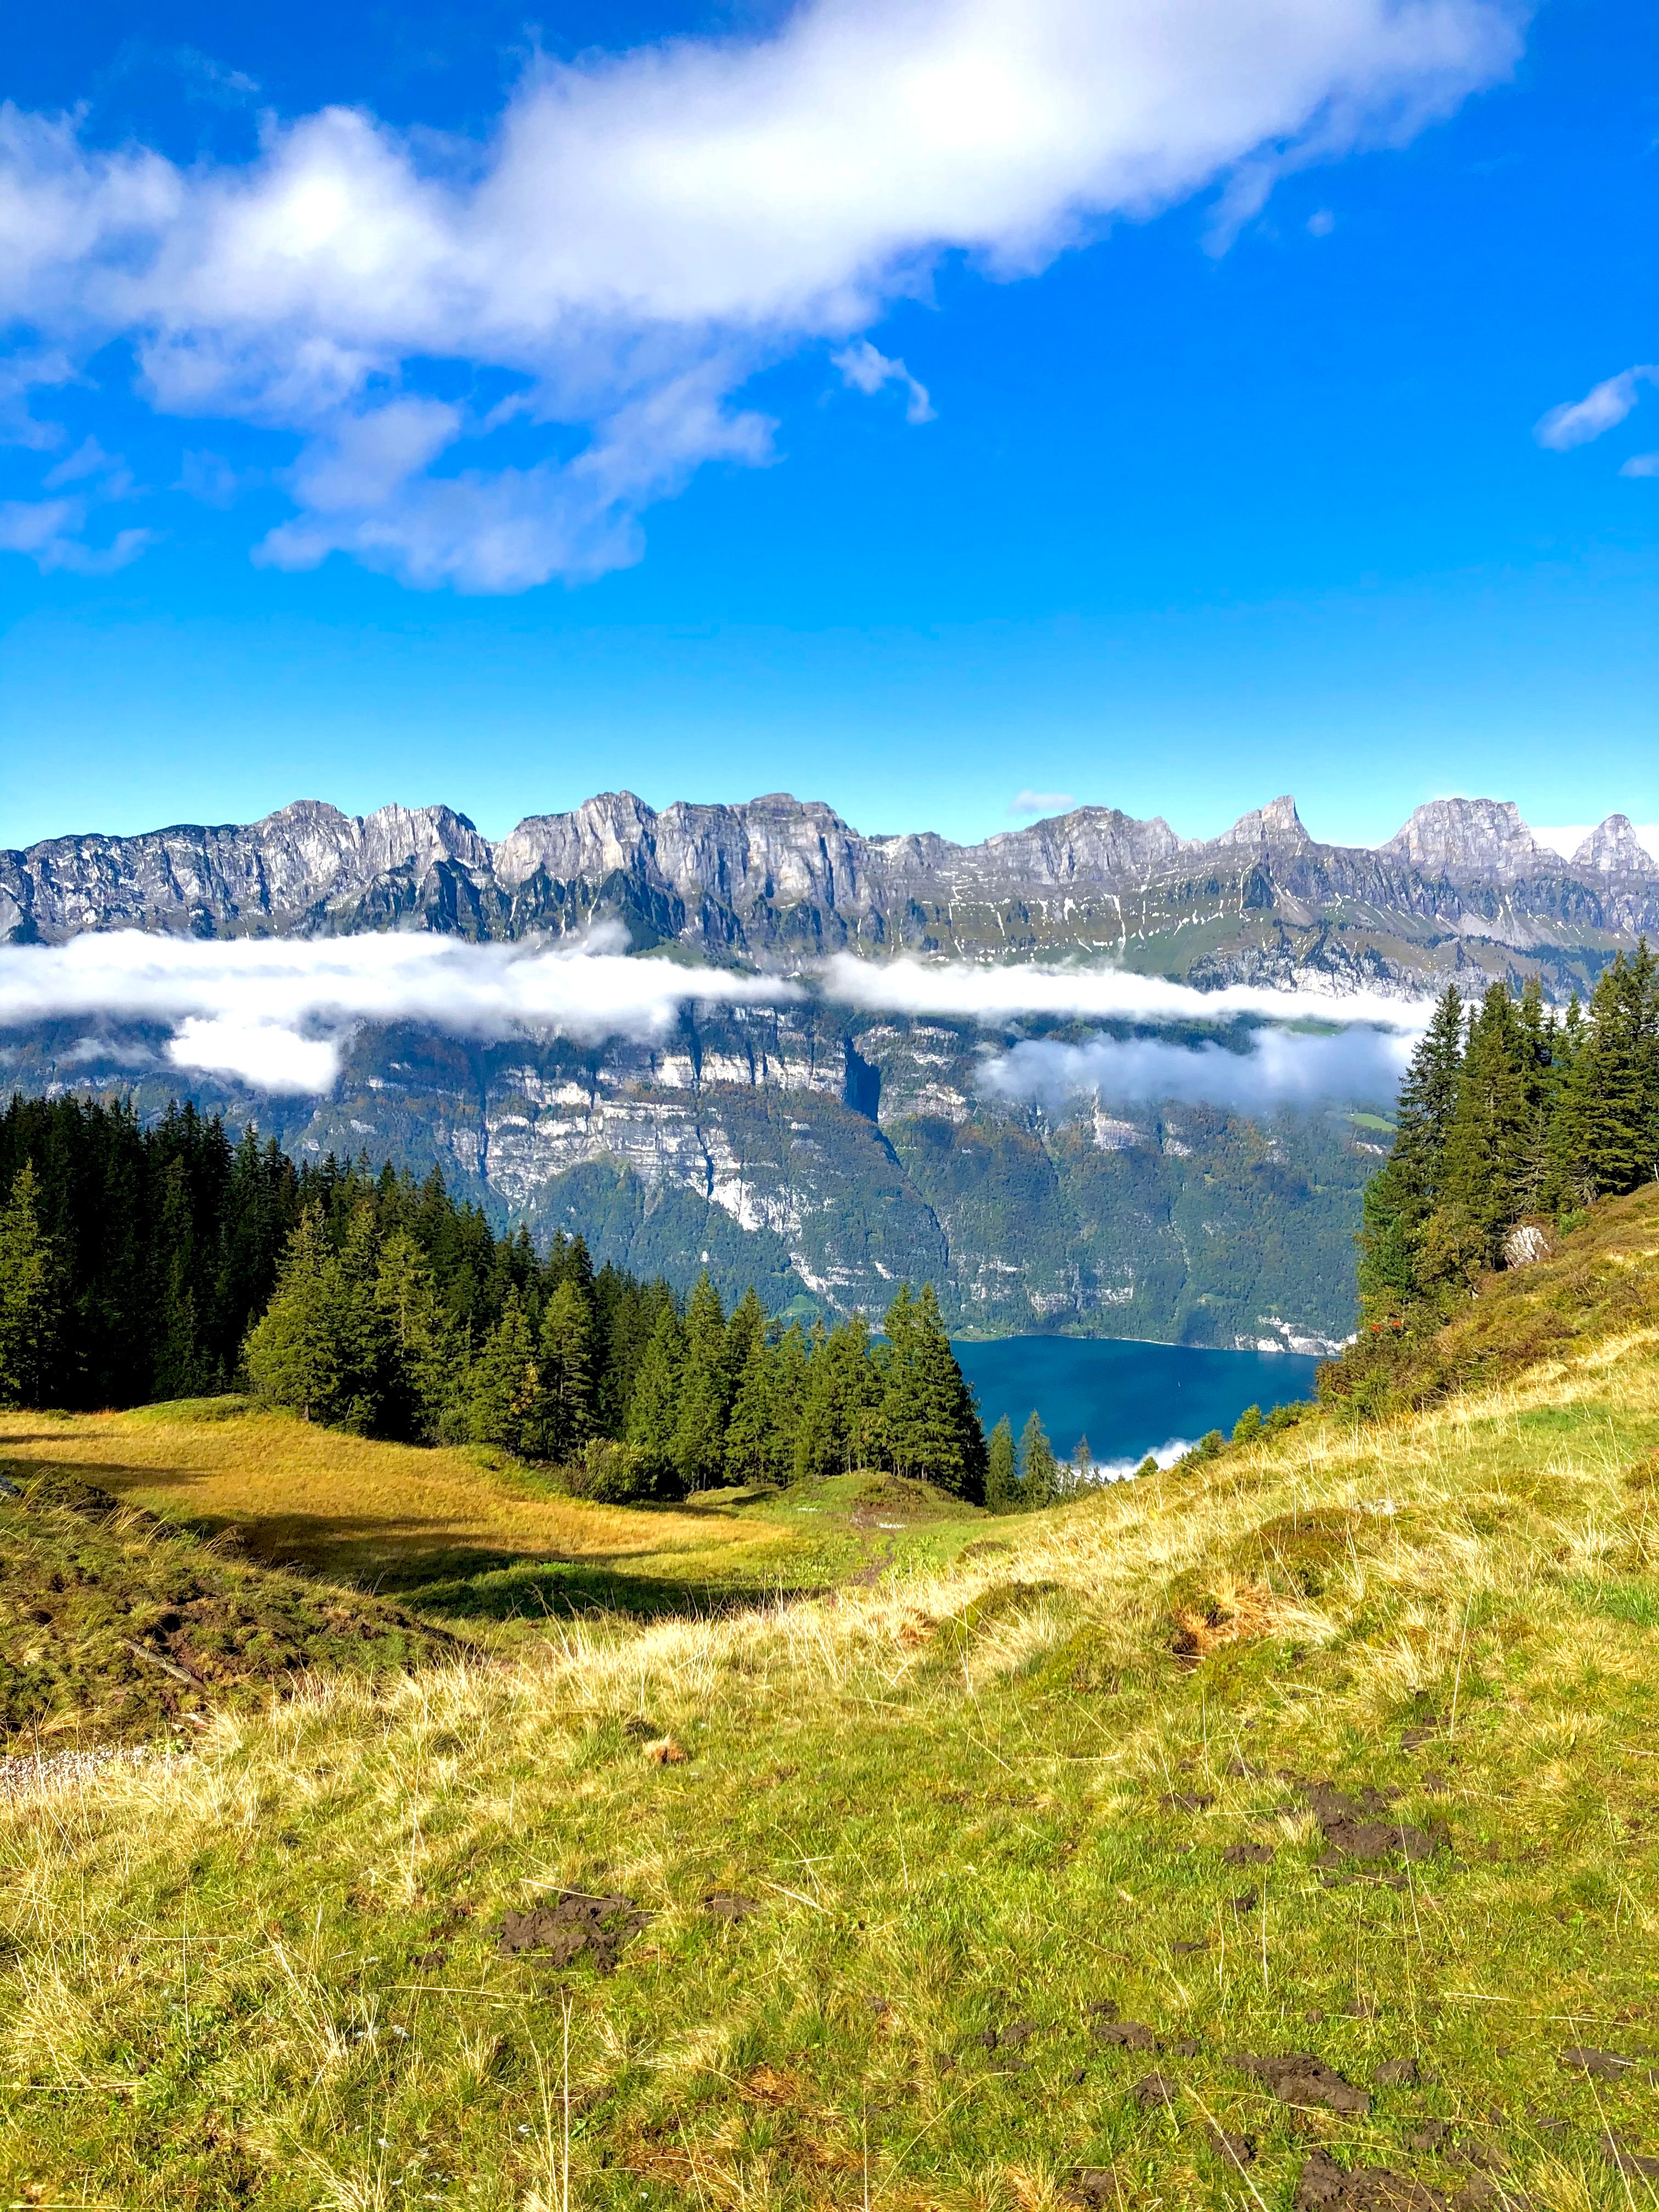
(1218, 1841)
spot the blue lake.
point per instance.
(1129, 1399)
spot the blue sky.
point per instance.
(438, 452)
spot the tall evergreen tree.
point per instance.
(1620, 1091)
(750, 1456)
(929, 1425)
(654, 1409)
(1002, 1471)
(29, 1298)
(294, 1353)
(1039, 1470)
(1400, 1198)
(567, 1370)
(504, 1386)
(1488, 1145)
(705, 1392)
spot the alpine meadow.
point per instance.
(794, 1415)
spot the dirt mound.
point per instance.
(574, 1926)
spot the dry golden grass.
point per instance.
(352, 1509)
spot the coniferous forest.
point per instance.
(1511, 1116)
(142, 1263)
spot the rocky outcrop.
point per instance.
(1613, 849)
(1464, 889)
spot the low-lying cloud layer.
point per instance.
(639, 233)
(275, 1013)
(1276, 1067)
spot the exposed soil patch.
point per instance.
(1231, 2149)
(1362, 1826)
(730, 1905)
(1126, 2034)
(1297, 2077)
(1097, 2188)
(1601, 2065)
(1152, 2090)
(574, 1927)
(1615, 2148)
(1248, 1855)
(1395, 2073)
(1324, 2187)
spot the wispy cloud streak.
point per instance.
(1274, 1068)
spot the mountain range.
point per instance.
(1463, 884)
(826, 1153)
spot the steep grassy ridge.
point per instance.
(1278, 1832)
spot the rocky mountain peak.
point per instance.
(1276, 823)
(1613, 848)
(1469, 835)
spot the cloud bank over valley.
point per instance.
(275, 1014)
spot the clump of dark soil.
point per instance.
(1234, 2150)
(1248, 1855)
(1297, 2077)
(1152, 2090)
(1601, 2065)
(1126, 2034)
(1362, 1826)
(1619, 2152)
(730, 1905)
(574, 1927)
(1097, 2188)
(1324, 2187)
(116, 1624)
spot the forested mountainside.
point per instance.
(822, 1152)
(826, 1158)
(1463, 887)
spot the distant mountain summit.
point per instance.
(1464, 885)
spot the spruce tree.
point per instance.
(1001, 1474)
(749, 1456)
(1489, 1142)
(654, 1407)
(419, 1377)
(504, 1384)
(1039, 1475)
(567, 1402)
(929, 1424)
(1400, 1198)
(786, 1389)
(705, 1393)
(818, 1429)
(294, 1353)
(29, 1298)
(1620, 1091)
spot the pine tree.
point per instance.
(705, 1394)
(1488, 1143)
(420, 1363)
(1400, 1198)
(1001, 1474)
(653, 1408)
(567, 1408)
(749, 1456)
(294, 1353)
(818, 1428)
(745, 1330)
(29, 1298)
(1039, 1476)
(787, 1386)
(929, 1421)
(1618, 1094)
(504, 1386)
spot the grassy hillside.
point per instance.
(1281, 1832)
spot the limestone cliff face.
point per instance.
(1463, 886)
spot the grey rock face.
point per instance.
(1470, 836)
(1463, 886)
(1613, 848)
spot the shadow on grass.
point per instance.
(505, 1587)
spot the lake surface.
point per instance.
(1127, 1399)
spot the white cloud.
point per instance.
(276, 1011)
(48, 531)
(999, 995)
(1578, 422)
(1278, 1068)
(866, 370)
(1641, 465)
(641, 232)
(1024, 803)
(1321, 223)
